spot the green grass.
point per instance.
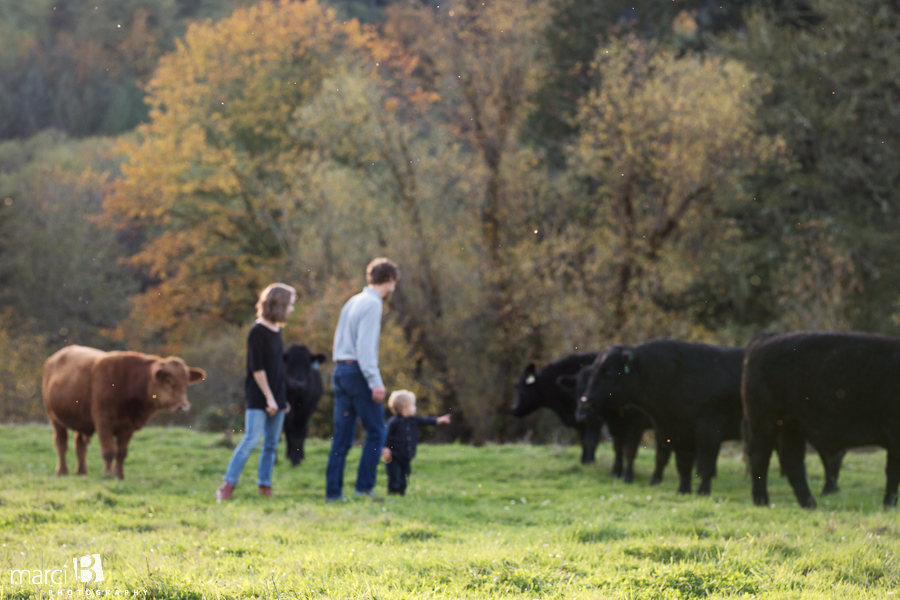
(513, 521)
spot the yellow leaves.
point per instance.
(684, 25)
(219, 177)
(666, 140)
(679, 122)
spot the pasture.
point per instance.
(514, 521)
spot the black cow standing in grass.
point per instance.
(692, 392)
(626, 427)
(835, 390)
(556, 387)
(304, 390)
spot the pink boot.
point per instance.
(224, 492)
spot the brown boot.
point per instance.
(265, 490)
(224, 492)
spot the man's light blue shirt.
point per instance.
(357, 333)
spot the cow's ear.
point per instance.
(630, 361)
(529, 374)
(158, 372)
(319, 358)
(197, 375)
(567, 383)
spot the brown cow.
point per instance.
(112, 393)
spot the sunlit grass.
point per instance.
(500, 521)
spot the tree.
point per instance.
(215, 180)
(664, 146)
(485, 61)
(833, 100)
(59, 269)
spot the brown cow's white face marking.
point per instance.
(169, 381)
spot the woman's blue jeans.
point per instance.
(257, 423)
(352, 399)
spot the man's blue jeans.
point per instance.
(257, 423)
(352, 399)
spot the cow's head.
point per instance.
(528, 395)
(609, 376)
(301, 367)
(169, 380)
(575, 384)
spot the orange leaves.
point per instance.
(216, 180)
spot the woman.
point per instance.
(264, 390)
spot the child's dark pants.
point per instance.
(397, 472)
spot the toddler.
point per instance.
(402, 438)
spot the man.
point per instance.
(358, 388)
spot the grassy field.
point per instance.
(513, 521)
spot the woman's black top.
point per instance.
(403, 435)
(264, 353)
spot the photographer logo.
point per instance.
(88, 569)
(91, 569)
(64, 584)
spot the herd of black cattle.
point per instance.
(833, 391)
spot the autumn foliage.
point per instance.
(214, 180)
(551, 176)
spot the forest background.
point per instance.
(551, 175)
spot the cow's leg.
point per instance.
(122, 440)
(831, 462)
(618, 443)
(81, 444)
(288, 437)
(708, 446)
(294, 451)
(107, 449)
(793, 462)
(61, 441)
(761, 444)
(630, 449)
(893, 476)
(304, 431)
(590, 438)
(663, 453)
(684, 462)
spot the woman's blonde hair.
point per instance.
(274, 301)
(399, 399)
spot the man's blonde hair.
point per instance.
(274, 301)
(399, 399)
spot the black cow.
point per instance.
(304, 390)
(626, 427)
(556, 387)
(836, 390)
(692, 392)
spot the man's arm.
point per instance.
(367, 338)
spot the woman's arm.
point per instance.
(263, 382)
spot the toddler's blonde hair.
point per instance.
(399, 399)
